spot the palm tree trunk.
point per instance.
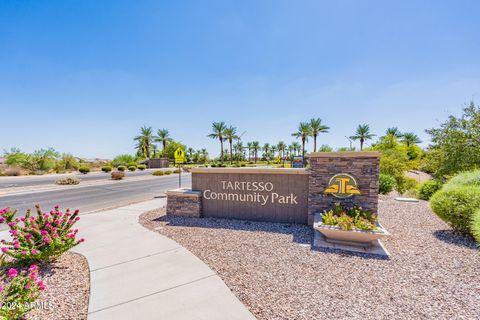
(303, 147)
(230, 141)
(164, 149)
(314, 143)
(361, 144)
(221, 151)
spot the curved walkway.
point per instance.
(139, 274)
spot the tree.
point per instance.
(410, 138)
(249, 147)
(281, 150)
(163, 136)
(218, 132)
(144, 141)
(317, 127)
(296, 148)
(363, 134)
(266, 151)
(303, 132)
(255, 149)
(238, 147)
(394, 132)
(204, 154)
(230, 135)
(14, 157)
(190, 152)
(325, 148)
(456, 143)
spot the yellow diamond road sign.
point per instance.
(179, 155)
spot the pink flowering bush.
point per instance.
(41, 237)
(18, 292)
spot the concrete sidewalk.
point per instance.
(138, 274)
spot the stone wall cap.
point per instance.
(348, 154)
(185, 192)
(251, 170)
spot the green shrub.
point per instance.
(118, 175)
(84, 170)
(68, 181)
(141, 167)
(121, 168)
(456, 205)
(427, 188)
(405, 183)
(468, 178)
(132, 168)
(168, 172)
(213, 165)
(106, 169)
(158, 173)
(176, 171)
(132, 164)
(475, 226)
(386, 183)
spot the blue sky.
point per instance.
(84, 76)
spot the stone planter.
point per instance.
(353, 237)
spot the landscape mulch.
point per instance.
(433, 273)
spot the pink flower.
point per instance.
(47, 240)
(2, 220)
(4, 250)
(16, 245)
(41, 285)
(34, 251)
(27, 286)
(12, 273)
(77, 218)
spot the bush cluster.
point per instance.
(158, 173)
(106, 169)
(84, 169)
(350, 218)
(458, 200)
(141, 167)
(132, 168)
(121, 168)
(168, 172)
(428, 188)
(386, 183)
(475, 226)
(67, 181)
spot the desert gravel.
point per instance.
(67, 289)
(432, 273)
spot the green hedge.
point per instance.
(468, 178)
(456, 205)
(386, 183)
(475, 226)
(428, 188)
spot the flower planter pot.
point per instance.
(353, 237)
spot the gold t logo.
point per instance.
(342, 185)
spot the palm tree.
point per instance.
(230, 135)
(144, 141)
(272, 150)
(291, 150)
(238, 150)
(317, 127)
(218, 129)
(266, 150)
(190, 152)
(410, 138)
(303, 132)
(296, 148)
(281, 150)
(163, 136)
(249, 147)
(394, 132)
(363, 134)
(255, 149)
(204, 153)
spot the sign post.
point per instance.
(179, 159)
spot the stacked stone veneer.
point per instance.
(364, 166)
(184, 203)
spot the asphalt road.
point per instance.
(96, 197)
(24, 181)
